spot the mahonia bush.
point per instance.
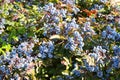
(59, 40)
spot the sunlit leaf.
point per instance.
(65, 72)
(35, 7)
(15, 38)
(7, 47)
(57, 37)
(90, 60)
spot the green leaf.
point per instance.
(112, 78)
(11, 23)
(65, 72)
(7, 47)
(35, 7)
(15, 38)
(21, 30)
(2, 52)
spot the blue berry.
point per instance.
(46, 49)
(76, 73)
(100, 74)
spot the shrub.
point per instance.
(59, 40)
